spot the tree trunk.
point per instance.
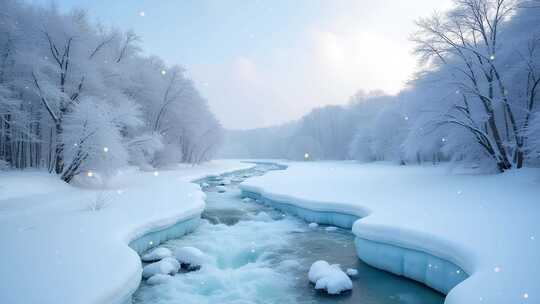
(59, 149)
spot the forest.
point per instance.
(78, 97)
(474, 100)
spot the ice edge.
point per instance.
(433, 271)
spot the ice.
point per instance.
(192, 257)
(313, 225)
(329, 277)
(246, 199)
(205, 185)
(339, 219)
(221, 189)
(158, 279)
(435, 272)
(156, 254)
(167, 265)
(352, 272)
(330, 228)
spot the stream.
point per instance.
(263, 256)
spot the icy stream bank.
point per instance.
(261, 255)
(485, 224)
(437, 273)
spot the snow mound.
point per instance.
(329, 277)
(352, 272)
(313, 225)
(157, 254)
(221, 189)
(166, 266)
(192, 257)
(158, 279)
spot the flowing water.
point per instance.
(263, 256)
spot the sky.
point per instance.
(261, 63)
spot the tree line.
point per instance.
(473, 100)
(77, 97)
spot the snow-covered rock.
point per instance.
(167, 265)
(192, 258)
(329, 277)
(352, 272)
(156, 254)
(313, 225)
(158, 279)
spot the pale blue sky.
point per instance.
(265, 62)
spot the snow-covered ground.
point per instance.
(57, 248)
(486, 224)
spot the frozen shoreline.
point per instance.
(427, 216)
(437, 273)
(61, 252)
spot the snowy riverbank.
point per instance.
(485, 224)
(56, 250)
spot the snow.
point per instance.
(167, 265)
(313, 225)
(221, 189)
(62, 252)
(156, 254)
(192, 257)
(329, 277)
(484, 226)
(158, 279)
(330, 228)
(351, 272)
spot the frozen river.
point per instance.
(263, 256)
